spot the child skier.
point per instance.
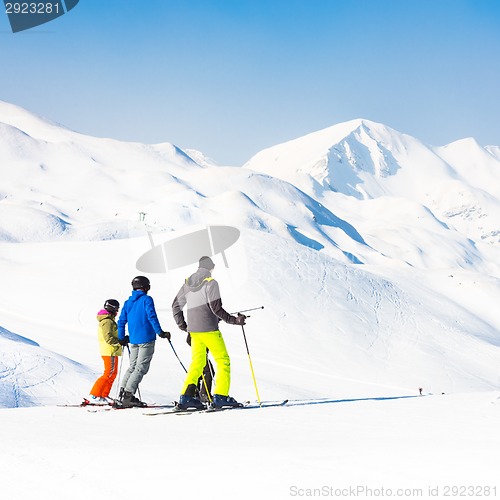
(110, 349)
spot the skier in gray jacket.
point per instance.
(200, 293)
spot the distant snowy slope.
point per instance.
(81, 187)
(31, 375)
(77, 178)
(364, 323)
(68, 185)
(31, 124)
(476, 165)
(458, 183)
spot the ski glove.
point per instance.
(164, 335)
(240, 319)
(124, 341)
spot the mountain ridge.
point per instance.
(92, 186)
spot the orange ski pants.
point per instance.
(103, 384)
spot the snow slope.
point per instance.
(404, 447)
(377, 275)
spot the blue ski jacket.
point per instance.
(140, 314)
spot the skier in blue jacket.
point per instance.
(139, 314)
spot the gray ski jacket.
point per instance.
(201, 296)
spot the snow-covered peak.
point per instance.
(467, 147)
(494, 151)
(303, 153)
(31, 124)
(200, 158)
(349, 157)
(479, 166)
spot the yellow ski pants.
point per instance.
(213, 341)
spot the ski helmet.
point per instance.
(206, 263)
(112, 305)
(141, 283)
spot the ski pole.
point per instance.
(204, 380)
(119, 378)
(206, 388)
(251, 365)
(171, 345)
(248, 310)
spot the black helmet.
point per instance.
(112, 305)
(141, 283)
(206, 263)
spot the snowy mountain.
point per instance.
(376, 258)
(55, 179)
(458, 183)
(355, 193)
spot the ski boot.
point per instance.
(224, 402)
(186, 402)
(137, 402)
(98, 401)
(128, 400)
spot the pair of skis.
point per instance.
(172, 409)
(95, 407)
(247, 405)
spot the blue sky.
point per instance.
(231, 77)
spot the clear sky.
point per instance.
(231, 77)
